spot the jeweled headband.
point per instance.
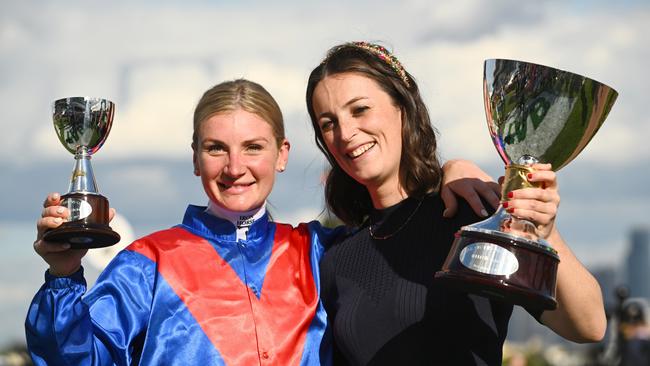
(378, 51)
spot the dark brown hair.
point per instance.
(420, 170)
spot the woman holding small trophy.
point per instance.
(379, 290)
(227, 286)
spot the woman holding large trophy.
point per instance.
(385, 303)
(227, 286)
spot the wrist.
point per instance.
(63, 272)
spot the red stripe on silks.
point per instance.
(226, 309)
(211, 290)
(289, 297)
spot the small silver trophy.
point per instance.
(535, 114)
(82, 125)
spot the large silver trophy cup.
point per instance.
(535, 114)
(82, 125)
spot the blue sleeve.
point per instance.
(63, 327)
(324, 237)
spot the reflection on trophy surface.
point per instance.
(535, 114)
(82, 125)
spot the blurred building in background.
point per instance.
(609, 278)
(637, 264)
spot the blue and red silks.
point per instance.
(191, 295)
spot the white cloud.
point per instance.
(450, 74)
(99, 258)
(163, 69)
(285, 82)
(297, 216)
(157, 120)
(466, 20)
(13, 34)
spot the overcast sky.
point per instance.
(154, 59)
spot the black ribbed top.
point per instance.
(385, 307)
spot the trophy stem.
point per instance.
(516, 178)
(83, 179)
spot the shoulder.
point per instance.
(344, 245)
(151, 245)
(161, 236)
(465, 215)
(430, 214)
(347, 242)
(329, 235)
(314, 229)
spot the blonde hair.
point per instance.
(243, 94)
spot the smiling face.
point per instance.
(236, 156)
(362, 129)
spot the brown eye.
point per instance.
(359, 110)
(326, 125)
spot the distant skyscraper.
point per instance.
(638, 263)
(608, 280)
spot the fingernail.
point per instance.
(59, 210)
(66, 246)
(510, 194)
(484, 213)
(529, 175)
(58, 220)
(505, 205)
(445, 213)
(55, 196)
(511, 210)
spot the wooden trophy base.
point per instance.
(88, 226)
(527, 280)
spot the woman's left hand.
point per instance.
(538, 205)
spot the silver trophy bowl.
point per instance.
(82, 122)
(542, 112)
(535, 113)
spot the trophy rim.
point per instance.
(82, 98)
(485, 62)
